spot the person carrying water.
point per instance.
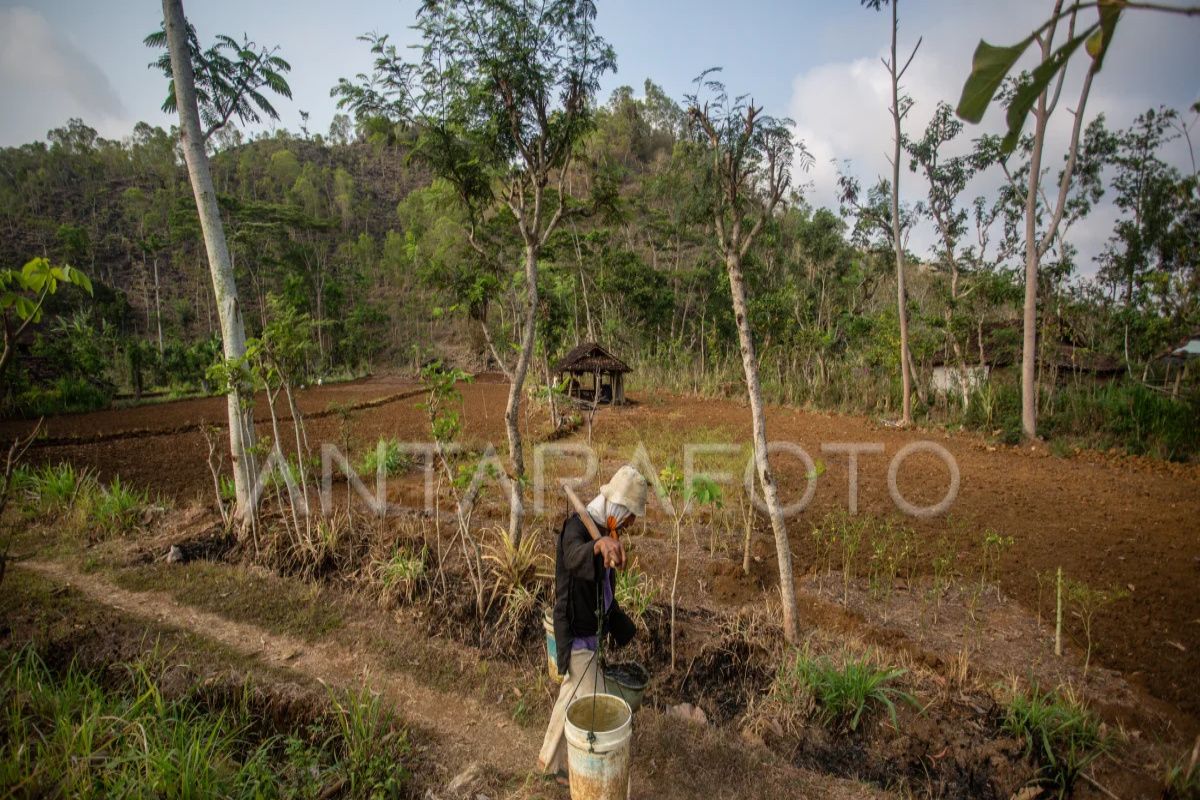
(584, 602)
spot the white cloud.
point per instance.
(841, 107)
(45, 77)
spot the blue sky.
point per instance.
(816, 62)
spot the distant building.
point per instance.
(594, 374)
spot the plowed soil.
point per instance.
(1108, 520)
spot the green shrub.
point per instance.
(1059, 732)
(117, 507)
(66, 395)
(386, 453)
(843, 692)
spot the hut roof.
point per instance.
(590, 357)
(1185, 348)
(1002, 348)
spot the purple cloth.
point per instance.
(590, 642)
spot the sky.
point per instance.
(815, 62)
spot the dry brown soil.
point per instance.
(1108, 520)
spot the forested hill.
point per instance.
(348, 229)
(311, 220)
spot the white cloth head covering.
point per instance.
(626, 488)
(600, 509)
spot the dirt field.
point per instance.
(1110, 521)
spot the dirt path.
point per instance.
(466, 732)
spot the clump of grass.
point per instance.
(55, 490)
(369, 747)
(116, 508)
(634, 592)
(842, 692)
(515, 566)
(1059, 732)
(1183, 778)
(403, 574)
(387, 456)
(69, 735)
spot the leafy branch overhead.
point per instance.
(231, 78)
(23, 295)
(991, 64)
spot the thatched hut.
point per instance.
(594, 374)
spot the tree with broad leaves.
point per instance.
(1146, 261)
(209, 89)
(991, 64)
(747, 172)
(947, 178)
(496, 104)
(1038, 97)
(1036, 93)
(23, 295)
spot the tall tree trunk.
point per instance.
(1032, 262)
(512, 412)
(897, 244)
(787, 588)
(233, 332)
(158, 307)
(1035, 248)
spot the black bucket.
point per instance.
(628, 681)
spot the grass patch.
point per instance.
(55, 490)
(116, 508)
(634, 592)
(72, 735)
(401, 575)
(281, 606)
(842, 692)
(1059, 732)
(386, 455)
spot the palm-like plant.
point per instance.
(230, 78)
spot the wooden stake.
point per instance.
(1058, 615)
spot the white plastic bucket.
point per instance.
(551, 646)
(599, 763)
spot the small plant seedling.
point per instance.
(943, 566)
(1086, 601)
(851, 537)
(994, 547)
(684, 496)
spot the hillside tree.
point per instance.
(749, 163)
(496, 104)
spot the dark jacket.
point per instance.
(578, 572)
